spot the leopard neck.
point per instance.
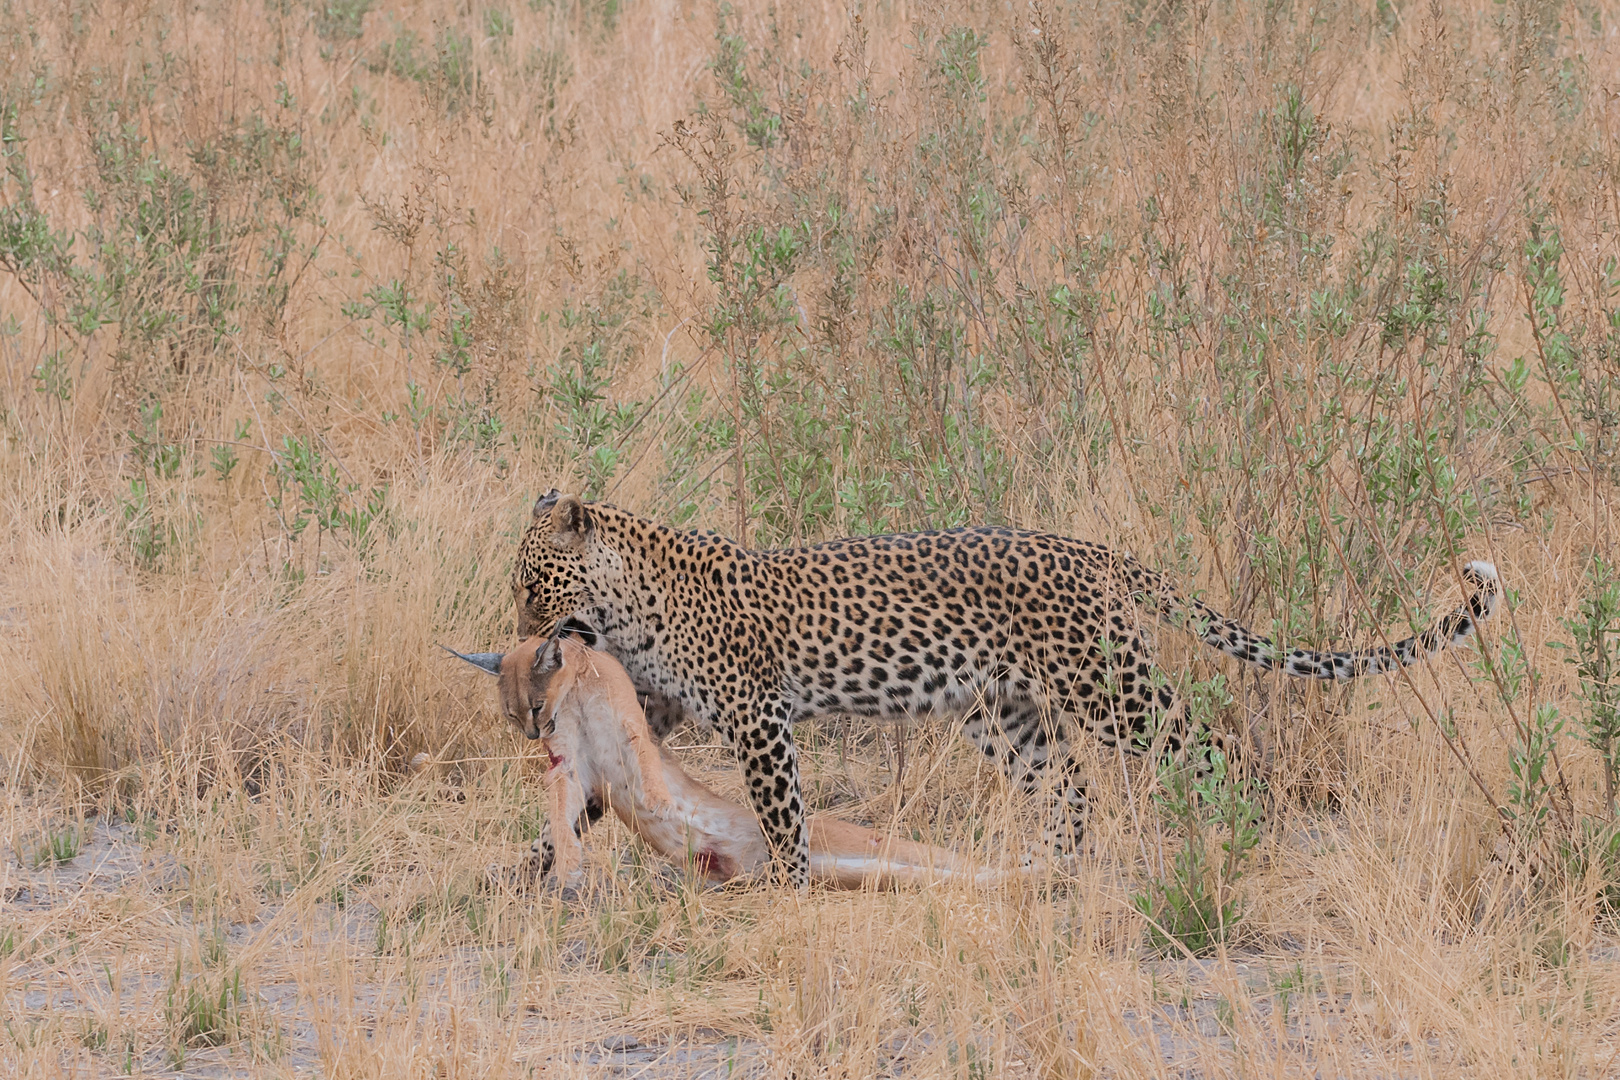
(651, 562)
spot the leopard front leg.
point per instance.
(763, 737)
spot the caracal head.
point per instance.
(525, 675)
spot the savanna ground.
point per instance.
(302, 302)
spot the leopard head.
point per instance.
(549, 580)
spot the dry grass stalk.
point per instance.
(301, 303)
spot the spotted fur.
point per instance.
(1028, 637)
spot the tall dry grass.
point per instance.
(303, 302)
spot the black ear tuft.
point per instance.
(570, 522)
(545, 502)
(487, 661)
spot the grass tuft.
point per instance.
(1303, 306)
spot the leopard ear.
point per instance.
(570, 522)
(544, 503)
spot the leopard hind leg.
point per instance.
(1030, 746)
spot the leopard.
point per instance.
(601, 753)
(1031, 640)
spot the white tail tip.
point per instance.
(1484, 570)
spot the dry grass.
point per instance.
(302, 303)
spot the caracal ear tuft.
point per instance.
(484, 661)
(570, 522)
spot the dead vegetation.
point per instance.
(302, 302)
